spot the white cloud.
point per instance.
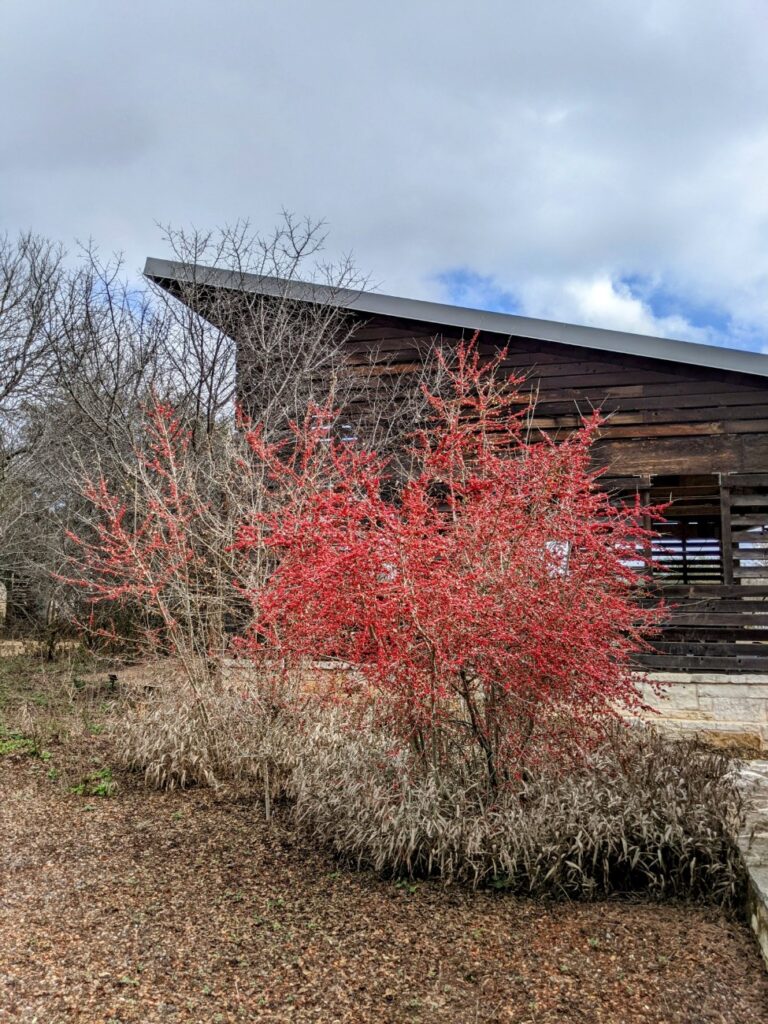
(557, 148)
(602, 302)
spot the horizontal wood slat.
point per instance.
(679, 618)
(749, 500)
(736, 480)
(693, 663)
(710, 593)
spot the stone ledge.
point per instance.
(696, 714)
(726, 710)
(737, 737)
(753, 844)
(757, 912)
(725, 690)
(715, 678)
(743, 708)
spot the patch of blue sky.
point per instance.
(664, 302)
(465, 287)
(709, 322)
(722, 326)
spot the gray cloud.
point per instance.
(555, 148)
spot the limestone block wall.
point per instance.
(727, 710)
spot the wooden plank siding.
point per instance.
(696, 435)
(662, 417)
(679, 431)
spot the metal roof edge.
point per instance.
(444, 315)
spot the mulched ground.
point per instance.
(149, 907)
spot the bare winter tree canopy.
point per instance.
(85, 353)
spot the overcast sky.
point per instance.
(599, 161)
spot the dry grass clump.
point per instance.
(643, 814)
(646, 813)
(169, 739)
(235, 735)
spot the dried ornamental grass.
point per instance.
(178, 738)
(645, 814)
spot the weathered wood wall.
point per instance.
(665, 417)
(697, 435)
(673, 430)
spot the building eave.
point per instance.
(440, 315)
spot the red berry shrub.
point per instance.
(154, 548)
(486, 600)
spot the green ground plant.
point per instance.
(15, 743)
(97, 783)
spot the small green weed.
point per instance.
(98, 783)
(410, 887)
(15, 743)
(18, 743)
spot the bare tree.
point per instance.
(89, 353)
(31, 271)
(251, 339)
(285, 354)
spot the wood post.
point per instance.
(644, 492)
(726, 538)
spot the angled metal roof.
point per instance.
(437, 314)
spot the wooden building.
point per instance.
(687, 424)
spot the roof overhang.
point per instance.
(178, 276)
